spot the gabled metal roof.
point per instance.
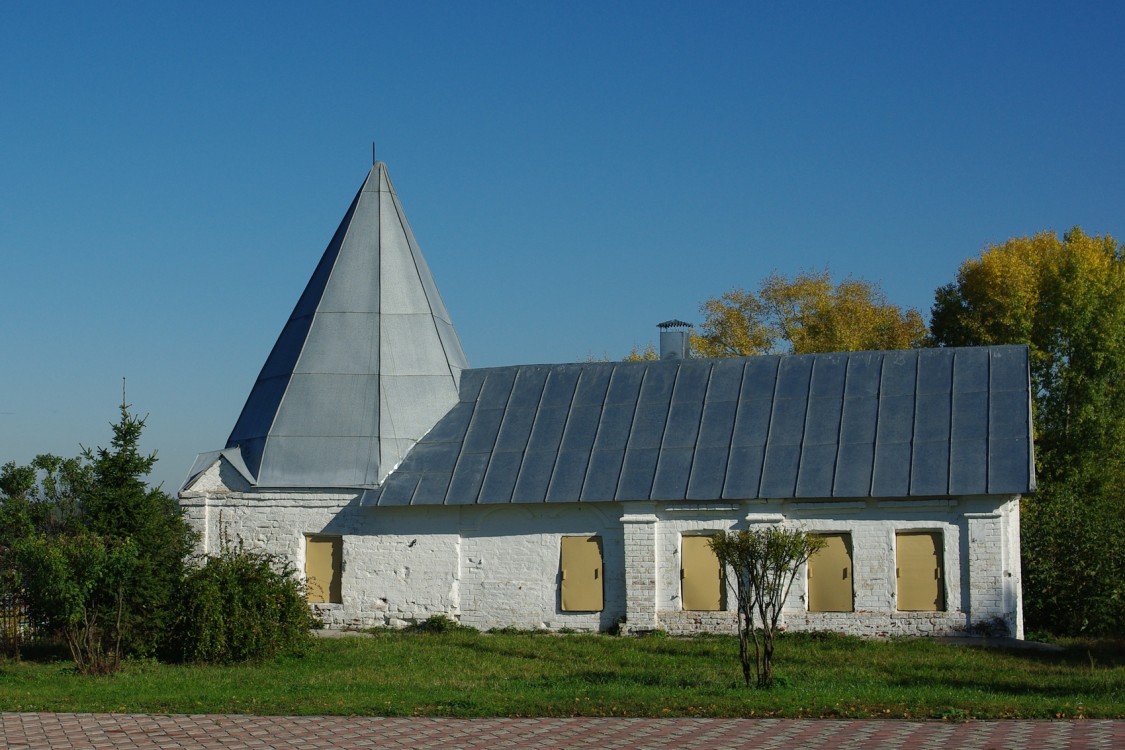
(917, 423)
(367, 363)
(205, 461)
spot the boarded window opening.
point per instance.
(324, 556)
(580, 568)
(830, 575)
(701, 583)
(918, 570)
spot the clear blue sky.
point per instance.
(574, 172)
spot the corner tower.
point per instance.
(366, 365)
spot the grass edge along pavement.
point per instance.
(462, 673)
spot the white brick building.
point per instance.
(571, 496)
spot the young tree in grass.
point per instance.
(764, 564)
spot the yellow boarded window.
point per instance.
(701, 584)
(918, 569)
(323, 564)
(580, 566)
(830, 575)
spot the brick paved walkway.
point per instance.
(239, 732)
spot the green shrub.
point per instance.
(76, 584)
(55, 504)
(437, 624)
(511, 630)
(241, 605)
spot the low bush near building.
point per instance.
(241, 605)
(438, 624)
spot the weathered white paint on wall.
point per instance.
(642, 572)
(498, 565)
(511, 564)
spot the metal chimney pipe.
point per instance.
(675, 336)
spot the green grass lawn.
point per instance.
(464, 673)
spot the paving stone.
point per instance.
(42, 731)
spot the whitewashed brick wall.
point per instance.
(510, 565)
(497, 566)
(639, 525)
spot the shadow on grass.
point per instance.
(1091, 653)
(1017, 672)
(587, 678)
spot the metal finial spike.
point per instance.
(372, 153)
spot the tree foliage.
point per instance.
(76, 583)
(763, 564)
(807, 313)
(646, 353)
(1065, 298)
(117, 502)
(93, 551)
(41, 497)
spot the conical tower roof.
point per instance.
(366, 365)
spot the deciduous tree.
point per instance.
(1065, 298)
(763, 564)
(807, 313)
(646, 353)
(77, 583)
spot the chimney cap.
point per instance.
(674, 323)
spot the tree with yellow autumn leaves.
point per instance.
(800, 315)
(1065, 298)
(807, 313)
